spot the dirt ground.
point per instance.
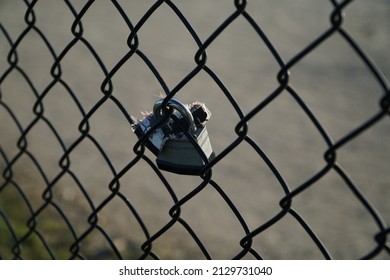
(332, 81)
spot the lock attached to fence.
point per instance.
(181, 143)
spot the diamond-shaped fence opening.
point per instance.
(299, 126)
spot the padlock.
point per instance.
(178, 154)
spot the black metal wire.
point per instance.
(76, 249)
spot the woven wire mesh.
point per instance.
(299, 126)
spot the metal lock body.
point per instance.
(179, 154)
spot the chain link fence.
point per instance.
(299, 127)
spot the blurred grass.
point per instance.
(20, 239)
(17, 213)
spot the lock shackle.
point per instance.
(175, 104)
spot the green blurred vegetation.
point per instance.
(17, 213)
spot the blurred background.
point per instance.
(332, 80)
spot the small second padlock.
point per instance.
(179, 154)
